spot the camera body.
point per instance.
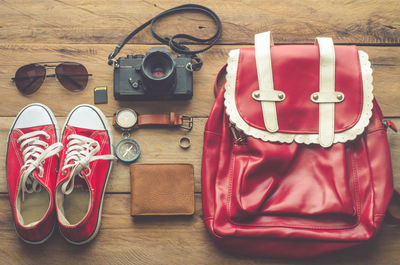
(154, 76)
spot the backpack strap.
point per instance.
(326, 97)
(220, 78)
(266, 93)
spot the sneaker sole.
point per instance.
(57, 131)
(35, 242)
(108, 129)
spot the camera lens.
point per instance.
(158, 70)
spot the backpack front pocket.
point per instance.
(287, 185)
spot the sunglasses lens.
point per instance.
(29, 78)
(73, 76)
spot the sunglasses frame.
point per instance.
(51, 64)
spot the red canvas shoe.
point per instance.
(31, 165)
(85, 166)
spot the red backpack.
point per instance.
(296, 161)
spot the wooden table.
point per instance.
(87, 31)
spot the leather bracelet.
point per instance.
(132, 119)
(170, 119)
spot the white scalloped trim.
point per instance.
(342, 137)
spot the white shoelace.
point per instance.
(81, 151)
(34, 152)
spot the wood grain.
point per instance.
(87, 31)
(109, 22)
(165, 240)
(160, 145)
(385, 63)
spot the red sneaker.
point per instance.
(31, 172)
(85, 165)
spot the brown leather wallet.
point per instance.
(162, 189)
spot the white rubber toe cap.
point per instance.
(86, 116)
(32, 116)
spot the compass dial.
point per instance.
(127, 150)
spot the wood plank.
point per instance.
(102, 21)
(385, 63)
(160, 145)
(165, 240)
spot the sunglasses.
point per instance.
(72, 76)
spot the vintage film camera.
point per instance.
(154, 76)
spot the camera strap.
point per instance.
(175, 46)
